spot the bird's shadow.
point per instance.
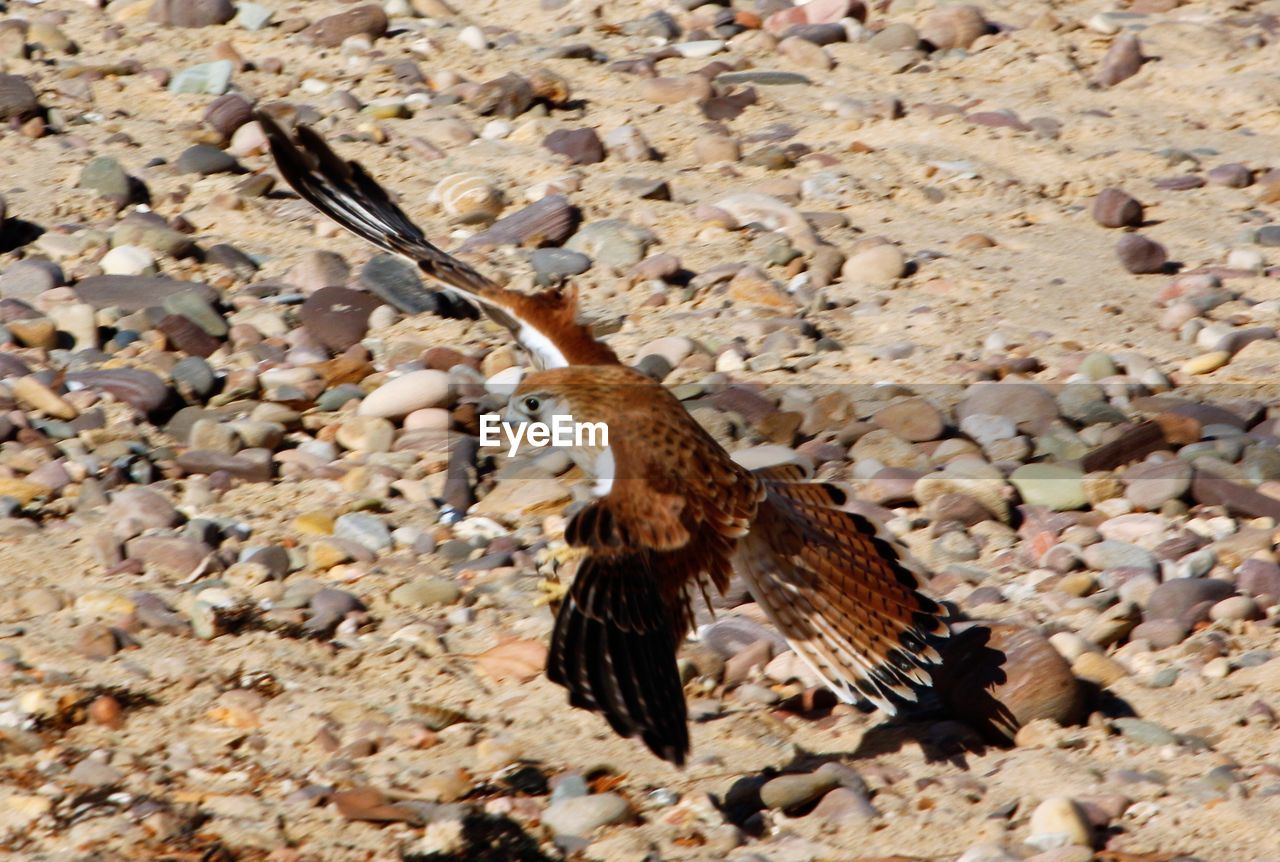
(960, 717)
(494, 837)
(15, 233)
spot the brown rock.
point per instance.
(330, 32)
(1121, 62)
(1176, 599)
(96, 641)
(17, 99)
(999, 677)
(172, 554)
(186, 336)
(1140, 255)
(580, 146)
(954, 26)
(1117, 208)
(227, 113)
(1211, 490)
(913, 419)
(191, 13)
(338, 317)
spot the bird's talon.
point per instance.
(553, 591)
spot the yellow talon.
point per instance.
(551, 560)
(553, 591)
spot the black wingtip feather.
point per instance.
(614, 650)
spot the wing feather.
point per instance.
(544, 323)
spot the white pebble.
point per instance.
(496, 130)
(413, 391)
(473, 37)
(128, 260)
(1246, 258)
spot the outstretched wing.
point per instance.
(545, 323)
(654, 545)
(841, 593)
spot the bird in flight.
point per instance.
(673, 515)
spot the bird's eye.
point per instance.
(532, 404)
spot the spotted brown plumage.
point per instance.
(673, 515)
(677, 518)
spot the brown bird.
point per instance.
(673, 514)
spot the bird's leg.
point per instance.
(550, 561)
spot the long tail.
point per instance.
(543, 323)
(841, 593)
(345, 192)
(614, 649)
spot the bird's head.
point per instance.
(584, 393)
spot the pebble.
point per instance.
(128, 260)
(954, 26)
(878, 265)
(789, 792)
(204, 159)
(1177, 599)
(426, 593)
(554, 264)
(1115, 207)
(583, 815)
(613, 242)
(338, 317)
(402, 395)
(397, 282)
(369, 531)
(1056, 486)
(107, 177)
(913, 419)
(331, 31)
(192, 13)
(1141, 256)
(17, 98)
(1206, 363)
(1152, 484)
(1021, 676)
(1122, 61)
(210, 79)
(1057, 822)
(469, 198)
(579, 146)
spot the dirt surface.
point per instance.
(240, 742)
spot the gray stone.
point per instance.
(1119, 555)
(553, 264)
(1175, 599)
(582, 815)
(27, 279)
(1150, 485)
(1027, 404)
(1144, 732)
(364, 529)
(613, 242)
(396, 282)
(108, 178)
(204, 159)
(253, 16)
(209, 79)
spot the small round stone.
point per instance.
(1140, 255)
(1116, 208)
